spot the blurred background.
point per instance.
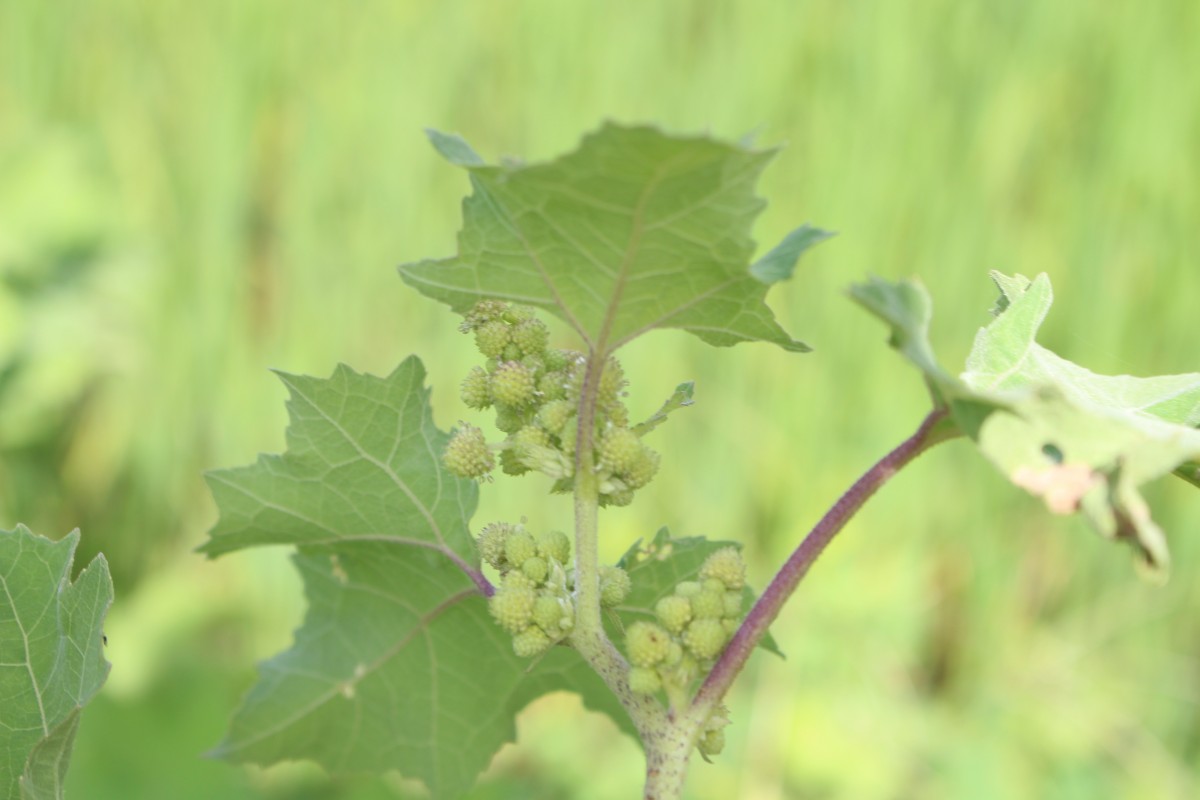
(192, 193)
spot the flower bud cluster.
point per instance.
(712, 736)
(693, 625)
(535, 392)
(533, 601)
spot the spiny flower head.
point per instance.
(531, 336)
(614, 585)
(531, 642)
(476, 392)
(491, 541)
(467, 455)
(712, 736)
(525, 443)
(644, 680)
(705, 638)
(674, 612)
(519, 547)
(512, 607)
(552, 614)
(612, 384)
(556, 415)
(725, 565)
(552, 385)
(513, 384)
(482, 312)
(646, 644)
(619, 449)
(536, 568)
(555, 545)
(642, 469)
(492, 338)
(708, 605)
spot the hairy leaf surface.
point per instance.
(51, 657)
(1080, 441)
(398, 664)
(633, 231)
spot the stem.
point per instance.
(588, 636)
(587, 567)
(588, 623)
(764, 612)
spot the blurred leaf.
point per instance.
(680, 398)
(51, 659)
(657, 567)
(398, 664)
(1080, 441)
(635, 230)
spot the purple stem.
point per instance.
(754, 627)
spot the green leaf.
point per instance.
(656, 567)
(1081, 441)
(680, 398)
(633, 231)
(398, 664)
(780, 263)
(363, 464)
(51, 657)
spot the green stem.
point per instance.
(587, 566)
(588, 637)
(931, 431)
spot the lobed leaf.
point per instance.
(51, 657)
(633, 231)
(398, 664)
(1080, 441)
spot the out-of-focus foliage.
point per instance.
(1080, 441)
(191, 193)
(51, 638)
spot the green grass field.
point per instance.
(192, 193)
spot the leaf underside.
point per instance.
(633, 231)
(51, 657)
(398, 664)
(1081, 441)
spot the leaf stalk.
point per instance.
(777, 593)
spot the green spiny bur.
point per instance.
(646, 644)
(467, 455)
(531, 336)
(519, 548)
(705, 638)
(513, 384)
(614, 585)
(555, 545)
(476, 389)
(491, 542)
(536, 568)
(725, 565)
(512, 607)
(674, 612)
(619, 449)
(644, 680)
(531, 642)
(708, 605)
(556, 415)
(642, 470)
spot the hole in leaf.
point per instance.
(1051, 451)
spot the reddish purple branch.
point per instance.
(754, 627)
